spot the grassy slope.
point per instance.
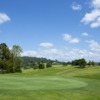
(57, 83)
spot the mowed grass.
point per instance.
(56, 83)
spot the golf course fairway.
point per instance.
(56, 83)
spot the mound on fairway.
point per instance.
(39, 83)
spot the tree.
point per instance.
(4, 52)
(1, 66)
(80, 62)
(10, 59)
(64, 63)
(48, 64)
(41, 65)
(16, 51)
(91, 63)
(5, 59)
(35, 66)
(33, 62)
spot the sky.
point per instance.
(61, 30)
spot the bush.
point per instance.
(80, 62)
(48, 64)
(41, 66)
(35, 66)
(65, 64)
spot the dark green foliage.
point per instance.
(9, 68)
(35, 66)
(91, 63)
(6, 62)
(16, 51)
(41, 65)
(64, 63)
(9, 63)
(32, 62)
(80, 62)
(48, 64)
(17, 64)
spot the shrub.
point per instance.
(48, 64)
(41, 65)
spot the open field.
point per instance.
(56, 83)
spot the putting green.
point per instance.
(39, 83)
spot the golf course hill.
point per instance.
(55, 83)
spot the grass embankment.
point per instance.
(56, 83)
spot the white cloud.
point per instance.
(76, 6)
(4, 18)
(94, 45)
(29, 53)
(96, 23)
(96, 3)
(77, 53)
(70, 39)
(93, 18)
(88, 55)
(85, 34)
(63, 54)
(47, 53)
(46, 45)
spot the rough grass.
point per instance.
(56, 83)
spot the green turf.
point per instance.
(56, 83)
(39, 83)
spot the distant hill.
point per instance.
(29, 61)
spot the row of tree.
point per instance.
(11, 62)
(82, 63)
(10, 59)
(39, 65)
(29, 62)
(33, 62)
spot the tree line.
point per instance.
(10, 59)
(35, 62)
(82, 63)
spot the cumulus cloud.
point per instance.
(29, 53)
(70, 39)
(50, 53)
(96, 23)
(63, 55)
(94, 45)
(93, 18)
(85, 34)
(76, 6)
(78, 53)
(46, 45)
(4, 18)
(96, 3)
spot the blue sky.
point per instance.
(55, 29)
